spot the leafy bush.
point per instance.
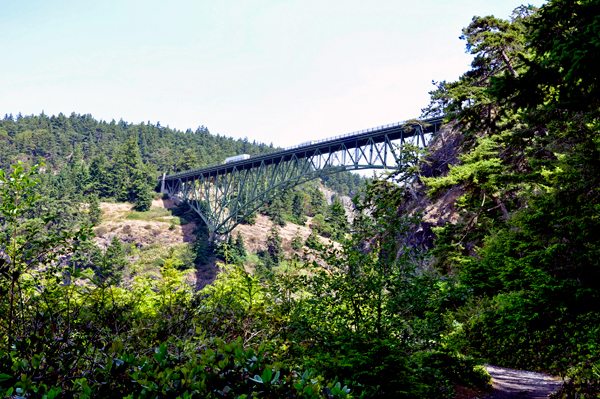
(365, 317)
(368, 312)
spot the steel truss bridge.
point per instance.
(224, 195)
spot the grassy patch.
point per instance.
(150, 247)
(152, 214)
(253, 258)
(100, 231)
(283, 267)
(178, 221)
(151, 259)
(153, 256)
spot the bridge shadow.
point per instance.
(205, 274)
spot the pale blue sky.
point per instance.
(275, 71)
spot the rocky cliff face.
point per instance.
(443, 152)
(346, 201)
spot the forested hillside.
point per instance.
(60, 140)
(485, 250)
(56, 138)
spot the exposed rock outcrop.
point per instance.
(443, 152)
(346, 201)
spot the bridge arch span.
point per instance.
(224, 195)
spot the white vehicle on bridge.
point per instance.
(237, 158)
(306, 143)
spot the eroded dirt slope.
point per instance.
(158, 227)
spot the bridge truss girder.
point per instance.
(224, 197)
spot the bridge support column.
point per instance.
(162, 185)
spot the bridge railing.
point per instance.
(341, 136)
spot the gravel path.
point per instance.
(508, 383)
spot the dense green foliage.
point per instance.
(528, 239)
(514, 282)
(344, 183)
(70, 332)
(295, 205)
(373, 314)
(232, 251)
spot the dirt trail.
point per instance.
(508, 383)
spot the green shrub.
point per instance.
(100, 231)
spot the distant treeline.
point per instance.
(55, 139)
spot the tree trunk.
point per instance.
(508, 64)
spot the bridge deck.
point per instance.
(352, 140)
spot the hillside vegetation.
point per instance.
(527, 239)
(485, 250)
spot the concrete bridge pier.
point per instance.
(163, 190)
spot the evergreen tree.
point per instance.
(274, 250)
(299, 208)
(95, 213)
(127, 172)
(287, 199)
(240, 248)
(276, 211)
(114, 259)
(144, 198)
(317, 202)
(226, 251)
(251, 219)
(232, 251)
(202, 250)
(336, 218)
(89, 256)
(78, 176)
(142, 192)
(99, 181)
(312, 241)
(131, 177)
(320, 226)
(189, 160)
(297, 240)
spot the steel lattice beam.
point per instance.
(224, 195)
